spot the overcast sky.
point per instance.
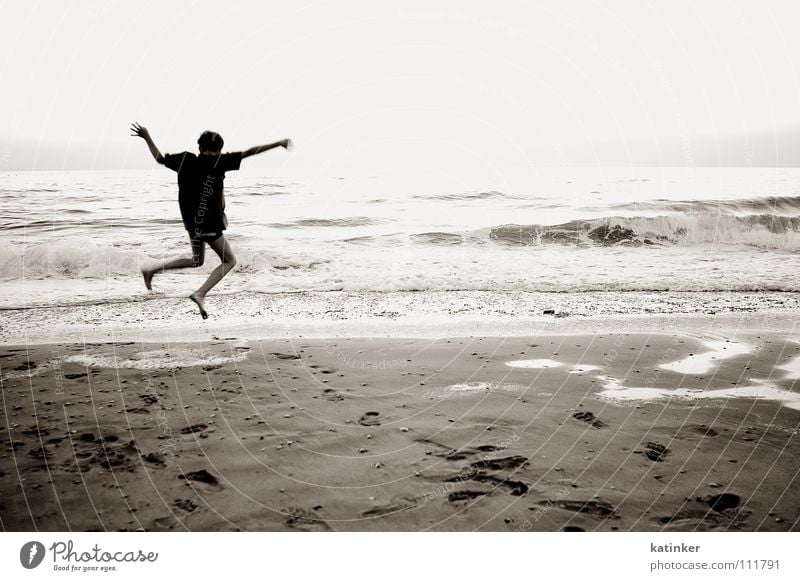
(417, 83)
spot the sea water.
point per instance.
(83, 236)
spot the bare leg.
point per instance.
(225, 253)
(198, 256)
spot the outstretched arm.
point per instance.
(284, 143)
(139, 131)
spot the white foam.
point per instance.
(705, 362)
(33, 371)
(478, 386)
(535, 363)
(759, 389)
(792, 368)
(76, 257)
(157, 359)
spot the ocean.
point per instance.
(81, 237)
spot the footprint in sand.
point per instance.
(41, 452)
(120, 457)
(655, 451)
(590, 419)
(108, 453)
(713, 514)
(332, 395)
(690, 518)
(203, 476)
(516, 487)
(36, 431)
(508, 463)
(488, 448)
(370, 419)
(453, 455)
(149, 398)
(460, 495)
(304, 520)
(483, 470)
(702, 430)
(164, 523)
(596, 508)
(724, 501)
(185, 504)
(155, 458)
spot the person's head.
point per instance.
(210, 142)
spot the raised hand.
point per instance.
(139, 131)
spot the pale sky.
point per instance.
(411, 83)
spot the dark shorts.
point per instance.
(207, 237)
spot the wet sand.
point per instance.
(402, 434)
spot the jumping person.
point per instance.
(202, 203)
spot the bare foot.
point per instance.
(148, 278)
(199, 301)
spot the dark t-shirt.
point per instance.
(200, 188)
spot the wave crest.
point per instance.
(760, 231)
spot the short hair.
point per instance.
(210, 141)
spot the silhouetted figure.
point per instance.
(202, 203)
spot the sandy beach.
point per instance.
(645, 431)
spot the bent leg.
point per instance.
(225, 253)
(197, 259)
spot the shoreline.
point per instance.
(401, 314)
